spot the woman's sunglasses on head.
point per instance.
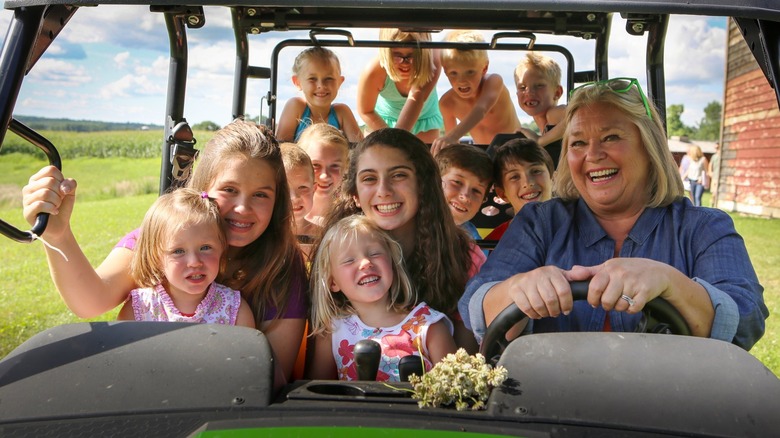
(618, 85)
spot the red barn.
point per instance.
(750, 164)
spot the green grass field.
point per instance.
(108, 207)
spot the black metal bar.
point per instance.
(177, 86)
(656, 77)
(14, 57)
(242, 65)
(602, 51)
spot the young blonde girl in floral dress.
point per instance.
(360, 290)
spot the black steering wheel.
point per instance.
(658, 316)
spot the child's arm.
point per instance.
(88, 292)
(446, 104)
(416, 99)
(288, 121)
(323, 365)
(491, 90)
(555, 116)
(348, 123)
(245, 317)
(439, 342)
(369, 85)
(126, 313)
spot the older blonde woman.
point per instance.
(622, 222)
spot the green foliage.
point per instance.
(103, 144)
(207, 125)
(674, 124)
(47, 124)
(29, 302)
(709, 126)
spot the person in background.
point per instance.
(696, 173)
(180, 248)
(398, 88)
(620, 221)
(317, 75)
(478, 103)
(360, 290)
(714, 172)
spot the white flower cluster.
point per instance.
(459, 379)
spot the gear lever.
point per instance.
(367, 354)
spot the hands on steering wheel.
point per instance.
(658, 316)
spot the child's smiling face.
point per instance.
(525, 182)
(319, 80)
(464, 192)
(535, 94)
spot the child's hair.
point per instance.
(544, 64)
(466, 157)
(327, 305)
(422, 58)
(317, 52)
(460, 55)
(170, 213)
(274, 258)
(439, 279)
(325, 133)
(294, 156)
(516, 150)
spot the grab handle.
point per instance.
(42, 219)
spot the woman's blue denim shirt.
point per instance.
(700, 242)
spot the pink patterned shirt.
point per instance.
(406, 338)
(219, 306)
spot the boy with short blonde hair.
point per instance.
(477, 99)
(538, 81)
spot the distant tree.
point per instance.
(674, 124)
(709, 127)
(206, 125)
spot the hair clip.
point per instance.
(204, 195)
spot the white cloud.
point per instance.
(131, 85)
(55, 72)
(120, 59)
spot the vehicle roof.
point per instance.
(355, 10)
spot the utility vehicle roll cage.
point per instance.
(36, 23)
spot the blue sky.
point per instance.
(111, 64)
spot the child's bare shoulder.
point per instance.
(342, 109)
(295, 104)
(556, 114)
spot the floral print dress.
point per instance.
(404, 339)
(219, 306)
